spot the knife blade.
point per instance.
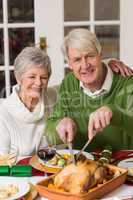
(83, 148)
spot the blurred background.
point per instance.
(44, 23)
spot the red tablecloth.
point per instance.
(120, 155)
(35, 172)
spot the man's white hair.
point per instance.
(81, 39)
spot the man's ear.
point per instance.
(69, 66)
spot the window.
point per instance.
(101, 17)
(52, 19)
(16, 32)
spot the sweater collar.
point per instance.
(19, 111)
(105, 87)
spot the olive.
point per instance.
(46, 154)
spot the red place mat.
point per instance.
(35, 172)
(123, 154)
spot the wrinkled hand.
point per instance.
(98, 120)
(119, 67)
(66, 129)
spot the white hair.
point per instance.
(81, 39)
(31, 56)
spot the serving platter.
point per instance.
(96, 193)
(38, 164)
(32, 194)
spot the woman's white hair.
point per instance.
(31, 56)
(81, 39)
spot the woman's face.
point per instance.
(33, 81)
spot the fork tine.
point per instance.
(71, 152)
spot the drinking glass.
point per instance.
(8, 156)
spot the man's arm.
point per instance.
(55, 130)
(114, 114)
(66, 129)
(99, 120)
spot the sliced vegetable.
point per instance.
(61, 162)
(106, 155)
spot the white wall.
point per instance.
(126, 39)
(49, 24)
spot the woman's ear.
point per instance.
(17, 79)
(101, 53)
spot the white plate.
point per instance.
(23, 188)
(127, 164)
(66, 151)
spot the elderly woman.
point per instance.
(22, 113)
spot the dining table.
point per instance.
(123, 192)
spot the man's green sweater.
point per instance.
(74, 103)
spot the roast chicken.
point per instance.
(80, 177)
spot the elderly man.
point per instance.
(94, 103)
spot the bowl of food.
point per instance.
(8, 156)
(54, 158)
(60, 159)
(86, 180)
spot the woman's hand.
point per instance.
(66, 129)
(98, 120)
(119, 67)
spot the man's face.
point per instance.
(85, 66)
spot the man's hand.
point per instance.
(66, 129)
(119, 67)
(98, 120)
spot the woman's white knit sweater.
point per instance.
(19, 126)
